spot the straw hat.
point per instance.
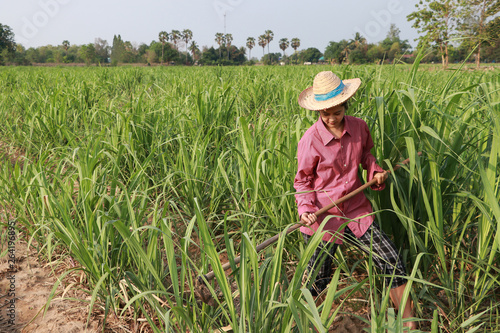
(327, 91)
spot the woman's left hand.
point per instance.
(381, 177)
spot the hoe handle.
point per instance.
(210, 275)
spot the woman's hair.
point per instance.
(346, 105)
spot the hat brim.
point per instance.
(307, 101)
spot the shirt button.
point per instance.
(346, 182)
(345, 165)
(341, 146)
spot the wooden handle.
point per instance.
(210, 275)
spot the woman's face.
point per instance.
(333, 117)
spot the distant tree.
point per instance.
(346, 47)
(73, 54)
(47, 54)
(239, 55)
(268, 35)
(229, 39)
(171, 54)
(163, 38)
(262, 43)
(393, 37)
(333, 52)
(394, 51)
(130, 54)
(101, 50)
(6, 56)
(295, 45)
(394, 32)
(33, 55)
(473, 20)
(58, 55)
(375, 53)
(250, 45)
(284, 43)
(358, 50)
(493, 29)
(271, 58)
(66, 45)
(118, 49)
(7, 44)
(209, 57)
(187, 35)
(492, 50)
(311, 54)
(435, 20)
(358, 56)
(20, 56)
(359, 40)
(141, 51)
(236, 56)
(219, 39)
(175, 35)
(87, 53)
(151, 56)
(194, 50)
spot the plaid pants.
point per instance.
(385, 257)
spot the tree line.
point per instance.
(451, 26)
(452, 31)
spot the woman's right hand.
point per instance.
(308, 218)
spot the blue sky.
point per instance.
(42, 22)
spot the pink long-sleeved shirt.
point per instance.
(328, 170)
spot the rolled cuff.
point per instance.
(306, 208)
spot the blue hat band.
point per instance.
(335, 92)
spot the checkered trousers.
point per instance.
(385, 257)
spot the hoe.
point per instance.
(209, 276)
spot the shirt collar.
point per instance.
(325, 135)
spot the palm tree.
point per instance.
(187, 35)
(262, 42)
(175, 35)
(219, 39)
(250, 45)
(65, 45)
(228, 38)
(193, 48)
(269, 35)
(346, 47)
(163, 37)
(284, 43)
(295, 44)
(359, 39)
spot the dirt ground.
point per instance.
(26, 287)
(33, 283)
(26, 283)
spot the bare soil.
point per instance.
(34, 280)
(28, 285)
(27, 282)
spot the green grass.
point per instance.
(147, 176)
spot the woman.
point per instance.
(329, 155)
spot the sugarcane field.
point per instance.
(250, 166)
(128, 184)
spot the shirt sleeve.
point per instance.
(368, 161)
(304, 180)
